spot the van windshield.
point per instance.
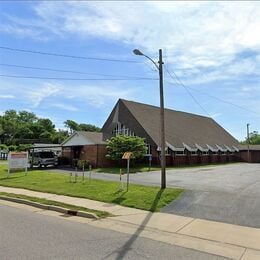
(46, 154)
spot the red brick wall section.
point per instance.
(102, 160)
(96, 154)
(89, 152)
(254, 156)
(66, 152)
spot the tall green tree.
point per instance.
(120, 144)
(254, 138)
(89, 128)
(71, 125)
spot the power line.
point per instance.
(76, 79)
(187, 90)
(66, 55)
(214, 97)
(66, 71)
(225, 101)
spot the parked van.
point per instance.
(43, 158)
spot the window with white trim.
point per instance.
(121, 129)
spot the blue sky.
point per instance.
(213, 48)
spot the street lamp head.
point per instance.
(137, 52)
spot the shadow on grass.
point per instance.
(119, 199)
(11, 177)
(156, 200)
(123, 250)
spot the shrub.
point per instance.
(82, 163)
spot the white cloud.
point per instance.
(98, 96)
(37, 96)
(65, 107)
(7, 96)
(193, 35)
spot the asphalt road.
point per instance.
(227, 193)
(28, 235)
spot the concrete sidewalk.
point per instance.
(231, 241)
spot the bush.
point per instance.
(12, 148)
(24, 147)
(3, 147)
(118, 145)
(82, 163)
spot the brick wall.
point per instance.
(254, 156)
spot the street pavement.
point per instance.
(226, 240)
(227, 193)
(35, 236)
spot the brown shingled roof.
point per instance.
(95, 137)
(180, 127)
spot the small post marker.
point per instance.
(83, 173)
(71, 177)
(90, 169)
(121, 179)
(150, 161)
(76, 174)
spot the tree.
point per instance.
(120, 144)
(89, 128)
(71, 125)
(59, 136)
(254, 138)
(74, 126)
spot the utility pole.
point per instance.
(162, 125)
(163, 158)
(248, 153)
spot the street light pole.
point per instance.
(162, 124)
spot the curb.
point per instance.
(51, 207)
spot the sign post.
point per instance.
(150, 161)
(127, 156)
(17, 160)
(121, 179)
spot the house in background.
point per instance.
(190, 139)
(89, 146)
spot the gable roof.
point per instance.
(84, 138)
(182, 129)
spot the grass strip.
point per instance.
(100, 214)
(138, 196)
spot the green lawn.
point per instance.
(101, 214)
(138, 196)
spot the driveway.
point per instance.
(227, 193)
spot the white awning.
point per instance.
(221, 148)
(201, 148)
(211, 148)
(190, 149)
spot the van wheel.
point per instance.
(39, 165)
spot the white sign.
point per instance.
(17, 160)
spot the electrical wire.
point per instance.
(66, 71)
(211, 96)
(66, 55)
(74, 79)
(187, 90)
